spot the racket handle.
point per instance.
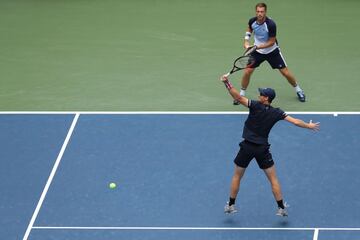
(224, 77)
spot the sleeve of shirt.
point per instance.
(251, 21)
(282, 114)
(252, 104)
(272, 28)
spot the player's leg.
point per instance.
(234, 189)
(247, 72)
(266, 162)
(235, 182)
(274, 182)
(291, 79)
(276, 189)
(245, 80)
(289, 76)
(241, 161)
(277, 61)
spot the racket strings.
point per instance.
(244, 62)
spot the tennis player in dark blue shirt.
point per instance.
(262, 117)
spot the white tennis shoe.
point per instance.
(282, 211)
(229, 209)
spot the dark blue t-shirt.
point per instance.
(260, 121)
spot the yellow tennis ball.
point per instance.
(112, 185)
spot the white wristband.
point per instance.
(247, 35)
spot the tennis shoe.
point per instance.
(229, 209)
(301, 96)
(282, 211)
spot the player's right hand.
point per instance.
(224, 77)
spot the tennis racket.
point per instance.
(245, 61)
(250, 50)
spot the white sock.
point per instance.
(242, 92)
(297, 88)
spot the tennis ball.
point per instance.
(335, 114)
(112, 185)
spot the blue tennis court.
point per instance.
(173, 172)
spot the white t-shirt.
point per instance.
(262, 33)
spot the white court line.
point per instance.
(316, 234)
(52, 174)
(193, 228)
(167, 113)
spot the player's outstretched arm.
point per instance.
(233, 92)
(301, 123)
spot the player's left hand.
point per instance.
(314, 126)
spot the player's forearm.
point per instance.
(267, 44)
(232, 91)
(301, 123)
(247, 38)
(246, 43)
(235, 94)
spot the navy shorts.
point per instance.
(249, 150)
(275, 59)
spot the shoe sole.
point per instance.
(230, 212)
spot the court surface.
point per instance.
(173, 173)
(160, 55)
(64, 63)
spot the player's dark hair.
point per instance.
(261, 5)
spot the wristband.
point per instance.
(228, 85)
(247, 35)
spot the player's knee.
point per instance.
(285, 71)
(248, 71)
